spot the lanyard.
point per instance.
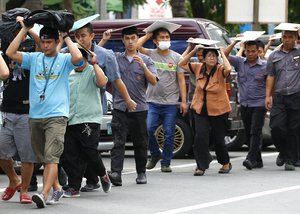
(47, 76)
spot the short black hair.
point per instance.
(89, 27)
(206, 51)
(158, 30)
(49, 33)
(130, 30)
(252, 43)
(260, 43)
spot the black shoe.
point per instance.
(141, 178)
(90, 187)
(258, 165)
(247, 163)
(152, 162)
(280, 161)
(32, 188)
(297, 164)
(115, 178)
(106, 183)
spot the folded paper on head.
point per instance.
(202, 41)
(249, 35)
(288, 27)
(171, 27)
(82, 22)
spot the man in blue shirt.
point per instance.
(251, 73)
(49, 101)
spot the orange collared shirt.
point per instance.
(217, 101)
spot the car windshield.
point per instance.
(215, 33)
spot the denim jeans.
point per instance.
(165, 115)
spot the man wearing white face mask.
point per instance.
(163, 97)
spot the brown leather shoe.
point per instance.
(226, 170)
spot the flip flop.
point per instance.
(9, 192)
(25, 198)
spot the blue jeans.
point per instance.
(165, 115)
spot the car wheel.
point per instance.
(182, 138)
(235, 140)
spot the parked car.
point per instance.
(196, 28)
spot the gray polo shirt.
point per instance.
(286, 68)
(251, 81)
(166, 91)
(134, 78)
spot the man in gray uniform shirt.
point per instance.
(137, 71)
(283, 98)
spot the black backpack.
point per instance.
(61, 20)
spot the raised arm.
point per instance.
(4, 71)
(183, 63)
(101, 79)
(148, 74)
(142, 40)
(242, 49)
(106, 36)
(76, 55)
(188, 48)
(229, 48)
(226, 64)
(12, 50)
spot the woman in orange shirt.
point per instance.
(210, 106)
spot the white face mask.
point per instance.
(164, 45)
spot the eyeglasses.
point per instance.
(211, 56)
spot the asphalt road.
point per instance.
(267, 190)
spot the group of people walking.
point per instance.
(65, 90)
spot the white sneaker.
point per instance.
(56, 196)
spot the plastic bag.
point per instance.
(61, 20)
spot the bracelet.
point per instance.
(65, 36)
(93, 63)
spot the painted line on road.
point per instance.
(194, 164)
(229, 200)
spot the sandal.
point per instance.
(9, 192)
(25, 198)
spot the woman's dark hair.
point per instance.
(206, 51)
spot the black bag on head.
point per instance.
(61, 20)
(8, 24)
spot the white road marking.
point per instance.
(229, 200)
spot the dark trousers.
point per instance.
(81, 143)
(285, 125)
(253, 119)
(210, 128)
(135, 124)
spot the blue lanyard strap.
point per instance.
(47, 75)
